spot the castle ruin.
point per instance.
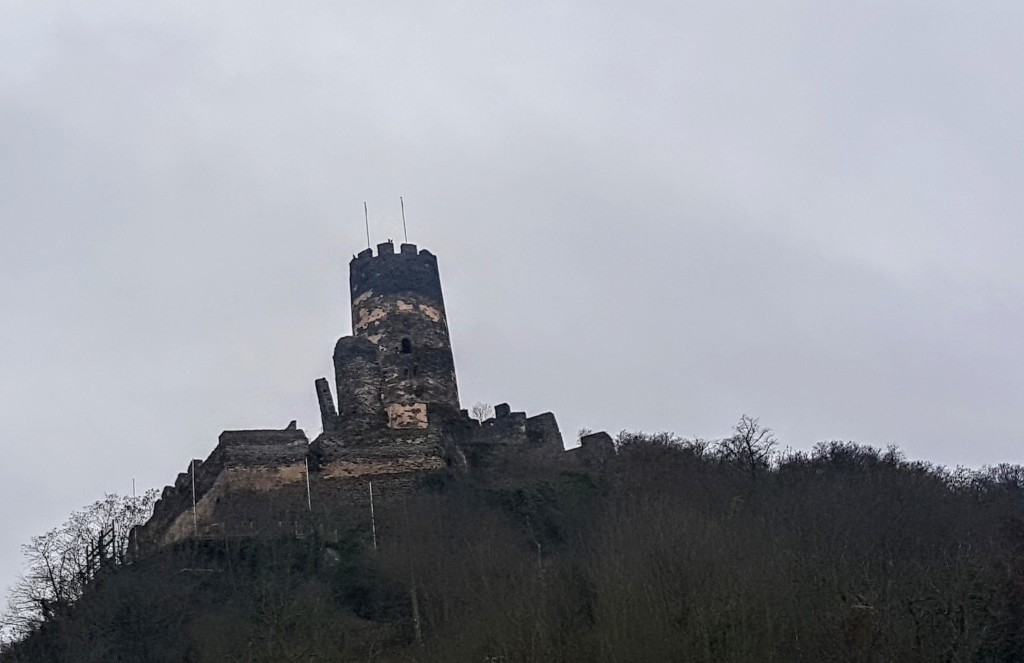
(396, 420)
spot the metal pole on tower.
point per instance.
(366, 218)
(404, 229)
(195, 520)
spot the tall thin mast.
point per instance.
(195, 519)
(366, 218)
(404, 229)
(373, 519)
(309, 495)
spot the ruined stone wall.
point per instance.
(274, 483)
(358, 377)
(328, 412)
(595, 449)
(510, 437)
(384, 451)
(542, 433)
(395, 460)
(250, 481)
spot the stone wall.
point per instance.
(328, 412)
(509, 437)
(272, 483)
(358, 378)
(595, 449)
(242, 489)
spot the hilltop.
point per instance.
(668, 550)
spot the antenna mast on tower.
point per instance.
(366, 218)
(404, 229)
(195, 519)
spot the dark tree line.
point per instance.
(671, 550)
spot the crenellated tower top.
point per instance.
(389, 272)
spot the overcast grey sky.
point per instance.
(648, 215)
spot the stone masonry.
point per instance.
(395, 421)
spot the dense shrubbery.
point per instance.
(673, 550)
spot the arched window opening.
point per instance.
(406, 346)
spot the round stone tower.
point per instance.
(397, 306)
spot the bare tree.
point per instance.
(482, 411)
(751, 447)
(64, 561)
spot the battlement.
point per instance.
(385, 249)
(410, 270)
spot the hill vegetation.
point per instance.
(672, 550)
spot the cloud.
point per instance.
(657, 216)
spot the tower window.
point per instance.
(406, 346)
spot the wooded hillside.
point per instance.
(672, 550)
